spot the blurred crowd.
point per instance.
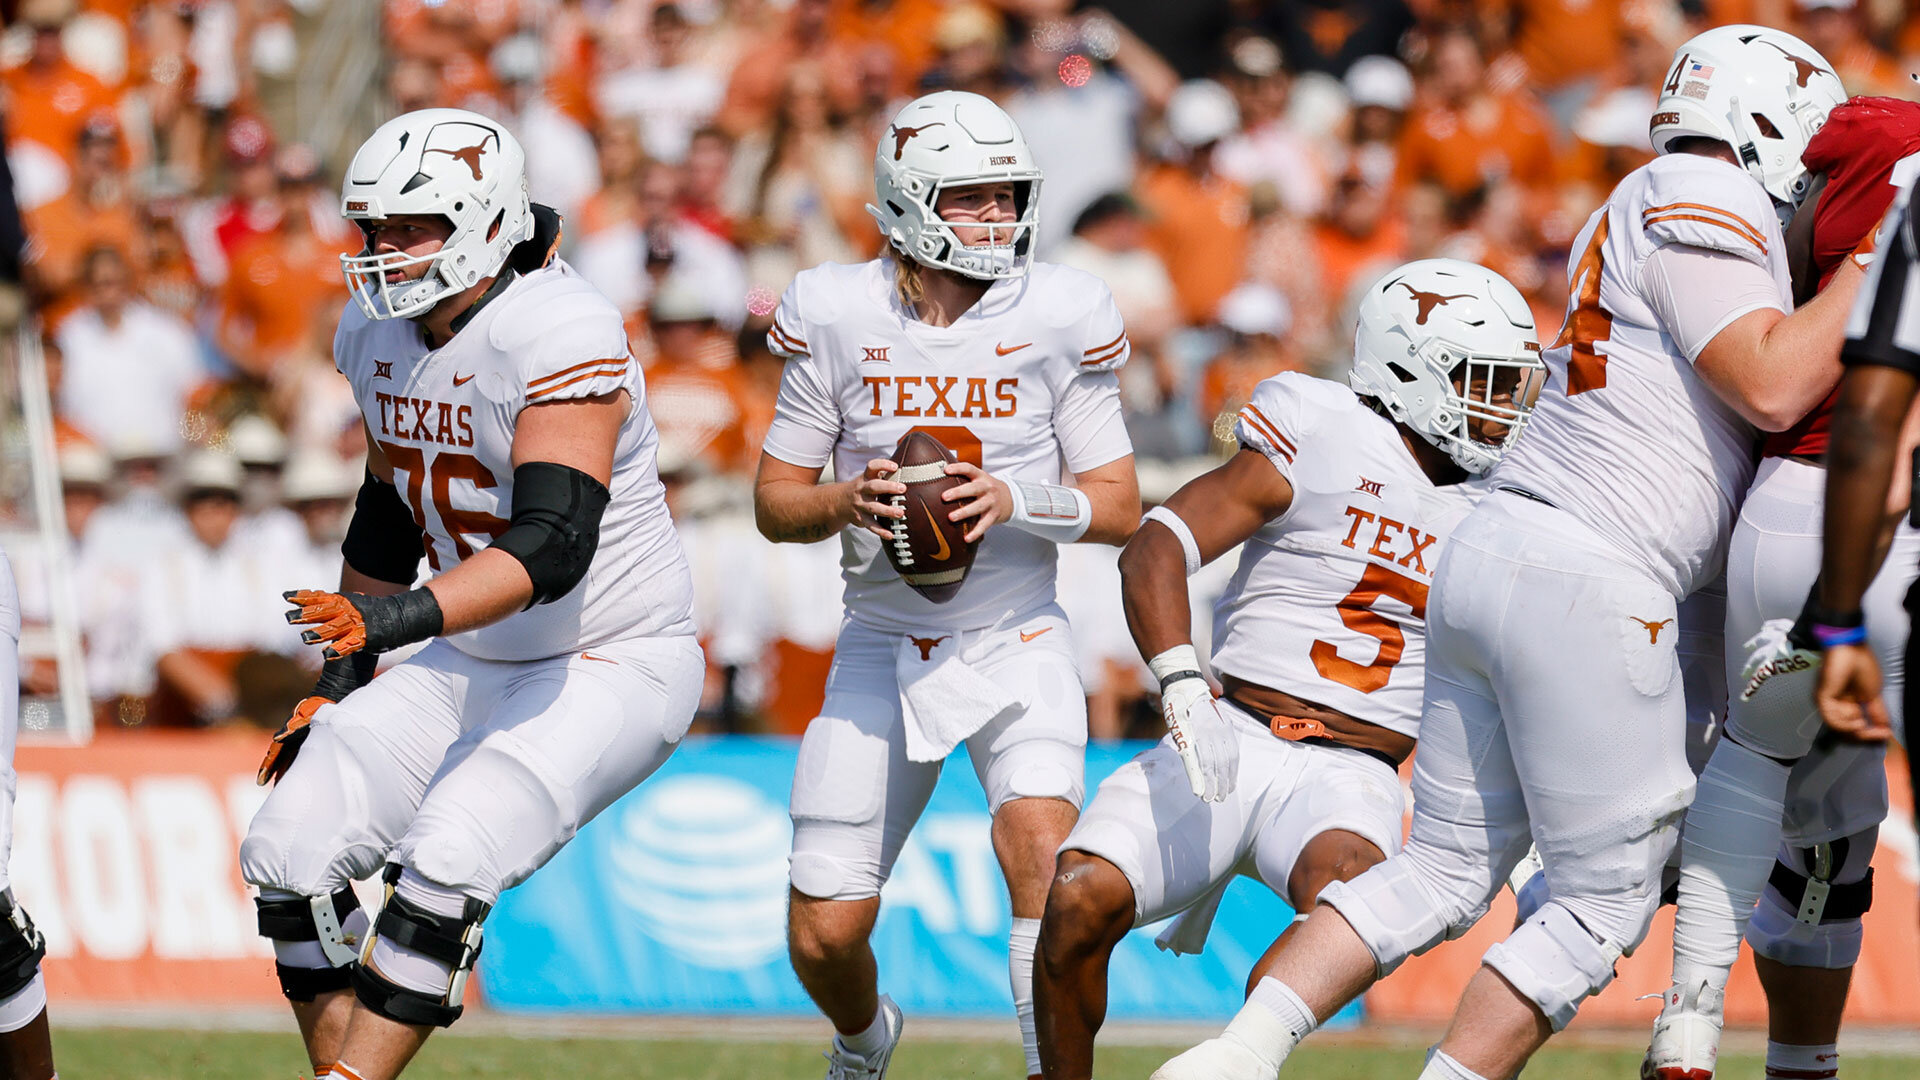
(1236, 170)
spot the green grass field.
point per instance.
(112, 1054)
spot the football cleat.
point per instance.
(844, 1064)
(1224, 1057)
(1686, 1037)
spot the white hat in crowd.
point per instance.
(1380, 80)
(256, 440)
(317, 475)
(1201, 111)
(1253, 308)
(209, 470)
(84, 465)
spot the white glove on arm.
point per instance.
(1201, 732)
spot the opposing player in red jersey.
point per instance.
(1777, 821)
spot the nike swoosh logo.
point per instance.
(1025, 636)
(462, 380)
(588, 655)
(1003, 350)
(945, 551)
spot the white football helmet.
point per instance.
(1430, 323)
(947, 140)
(450, 162)
(1763, 92)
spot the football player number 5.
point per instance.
(1357, 612)
(438, 475)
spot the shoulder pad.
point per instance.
(1275, 416)
(1708, 203)
(1096, 326)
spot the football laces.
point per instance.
(902, 546)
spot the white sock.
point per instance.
(1020, 945)
(871, 1040)
(1442, 1067)
(1727, 851)
(1806, 1062)
(1273, 1021)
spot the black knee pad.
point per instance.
(21, 947)
(1815, 897)
(312, 918)
(454, 942)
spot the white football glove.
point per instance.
(1776, 664)
(1203, 735)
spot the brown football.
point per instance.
(930, 553)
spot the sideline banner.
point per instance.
(674, 901)
(126, 854)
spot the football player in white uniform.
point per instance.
(26, 1046)
(507, 435)
(1553, 694)
(1812, 890)
(1010, 363)
(1343, 497)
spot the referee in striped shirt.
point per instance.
(1872, 435)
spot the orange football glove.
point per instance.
(340, 622)
(286, 741)
(347, 623)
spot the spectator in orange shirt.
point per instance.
(1834, 27)
(761, 75)
(1199, 217)
(279, 281)
(618, 200)
(1257, 320)
(1564, 42)
(695, 391)
(1358, 232)
(49, 100)
(1465, 134)
(96, 211)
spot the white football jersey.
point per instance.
(1330, 599)
(1627, 436)
(445, 419)
(1022, 385)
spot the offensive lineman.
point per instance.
(1806, 931)
(499, 396)
(1010, 363)
(1344, 498)
(1553, 697)
(26, 1045)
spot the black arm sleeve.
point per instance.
(383, 541)
(555, 527)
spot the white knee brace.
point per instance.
(1555, 962)
(1399, 914)
(1809, 914)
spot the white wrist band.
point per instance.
(1189, 547)
(1050, 511)
(1177, 661)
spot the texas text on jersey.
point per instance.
(1021, 384)
(445, 420)
(1329, 601)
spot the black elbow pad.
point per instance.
(555, 527)
(383, 541)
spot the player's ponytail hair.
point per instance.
(906, 281)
